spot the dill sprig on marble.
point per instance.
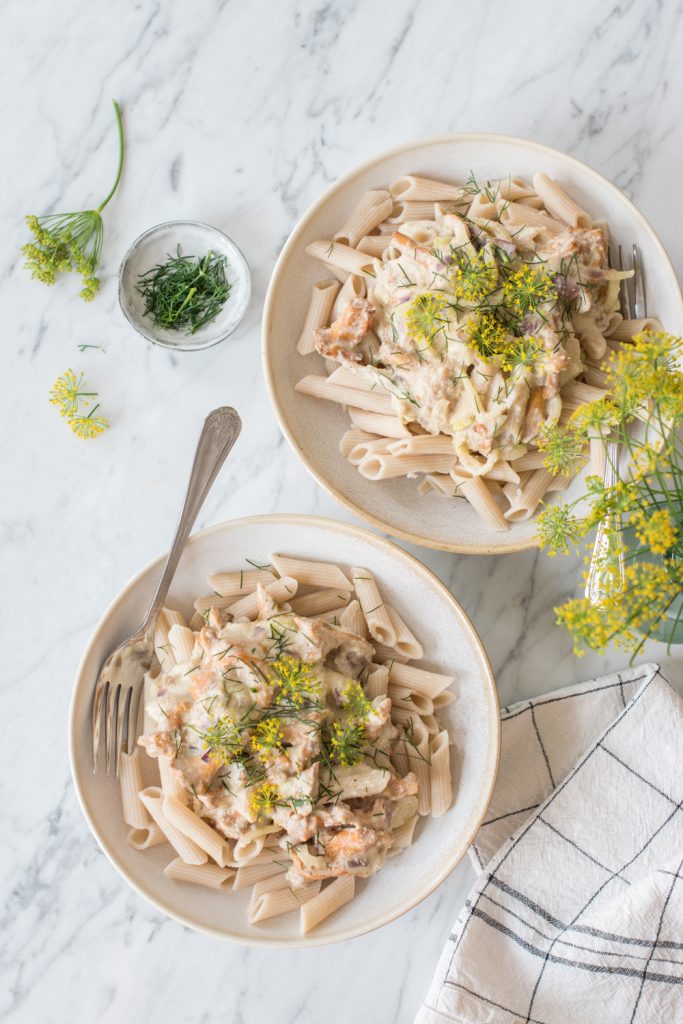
(69, 393)
(63, 242)
(185, 292)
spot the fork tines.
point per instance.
(631, 290)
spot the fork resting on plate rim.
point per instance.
(601, 581)
(116, 698)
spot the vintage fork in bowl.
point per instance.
(601, 579)
(116, 699)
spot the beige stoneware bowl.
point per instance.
(451, 644)
(314, 427)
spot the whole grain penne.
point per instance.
(320, 601)
(321, 387)
(516, 215)
(281, 591)
(416, 703)
(197, 830)
(419, 680)
(352, 619)
(416, 188)
(341, 257)
(146, 837)
(625, 330)
(385, 466)
(423, 444)
(441, 787)
(377, 683)
(373, 208)
(319, 313)
(373, 245)
(530, 496)
(130, 779)
(252, 872)
(181, 639)
(239, 584)
(354, 287)
(378, 423)
(211, 876)
(354, 437)
(153, 799)
(324, 575)
(171, 783)
(559, 204)
(406, 641)
(480, 499)
(380, 626)
(334, 896)
(282, 901)
(411, 210)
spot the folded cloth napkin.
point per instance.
(577, 915)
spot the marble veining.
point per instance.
(239, 115)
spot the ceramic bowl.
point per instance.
(314, 427)
(154, 247)
(451, 644)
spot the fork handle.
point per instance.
(220, 431)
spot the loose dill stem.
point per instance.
(186, 292)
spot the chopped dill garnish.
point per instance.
(185, 292)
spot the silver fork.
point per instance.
(116, 698)
(602, 581)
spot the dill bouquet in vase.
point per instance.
(641, 558)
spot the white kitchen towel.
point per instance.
(577, 915)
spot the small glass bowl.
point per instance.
(195, 239)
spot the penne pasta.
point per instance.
(626, 330)
(352, 288)
(373, 245)
(319, 313)
(372, 209)
(476, 492)
(324, 575)
(529, 496)
(378, 423)
(146, 837)
(352, 619)
(208, 875)
(322, 904)
(341, 257)
(380, 465)
(372, 605)
(280, 591)
(282, 901)
(418, 680)
(406, 641)
(440, 785)
(559, 204)
(197, 830)
(252, 872)
(239, 584)
(171, 783)
(423, 444)
(377, 683)
(413, 187)
(181, 639)
(321, 387)
(321, 601)
(187, 850)
(130, 779)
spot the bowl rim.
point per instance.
(490, 692)
(267, 332)
(148, 334)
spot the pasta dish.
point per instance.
(463, 325)
(295, 742)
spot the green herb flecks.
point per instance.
(185, 292)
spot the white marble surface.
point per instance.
(239, 114)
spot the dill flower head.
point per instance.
(523, 353)
(264, 799)
(354, 701)
(68, 392)
(563, 448)
(64, 242)
(655, 530)
(487, 335)
(594, 418)
(346, 743)
(223, 741)
(559, 530)
(296, 681)
(426, 316)
(267, 737)
(527, 289)
(88, 426)
(473, 278)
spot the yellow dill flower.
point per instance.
(558, 529)
(267, 737)
(426, 316)
(346, 743)
(486, 335)
(264, 799)
(68, 392)
(656, 530)
(88, 426)
(296, 681)
(354, 701)
(562, 448)
(594, 417)
(525, 353)
(223, 741)
(473, 278)
(527, 289)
